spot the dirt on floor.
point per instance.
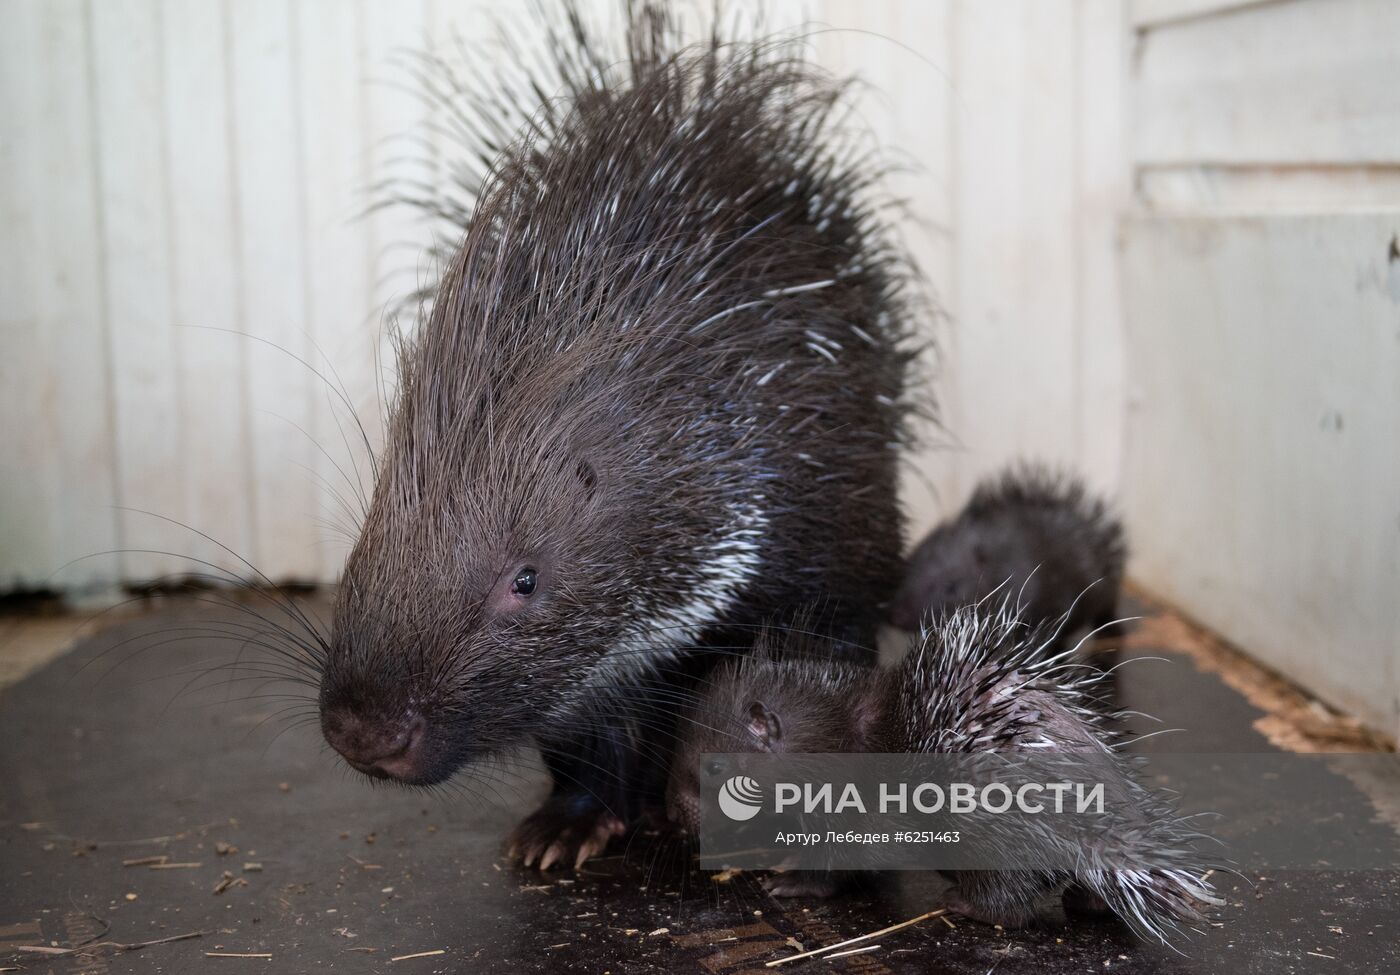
(1293, 719)
(169, 807)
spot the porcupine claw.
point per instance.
(556, 836)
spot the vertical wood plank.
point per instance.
(1016, 286)
(393, 145)
(73, 309)
(903, 58)
(28, 471)
(1102, 195)
(1262, 467)
(1303, 83)
(335, 161)
(315, 114)
(213, 445)
(920, 85)
(132, 179)
(394, 120)
(271, 255)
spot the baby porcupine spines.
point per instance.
(976, 681)
(1152, 878)
(979, 680)
(1061, 500)
(1054, 545)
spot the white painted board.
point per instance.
(1264, 439)
(1306, 82)
(191, 170)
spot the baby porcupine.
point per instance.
(1054, 546)
(978, 680)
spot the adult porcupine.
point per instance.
(657, 400)
(1054, 545)
(975, 681)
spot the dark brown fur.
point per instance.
(1054, 547)
(666, 369)
(977, 680)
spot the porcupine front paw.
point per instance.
(564, 832)
(802, 883)
(1007, 916)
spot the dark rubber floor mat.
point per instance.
(136, 807)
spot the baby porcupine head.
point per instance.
(1036, 530)
(788, 695)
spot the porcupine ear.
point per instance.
(592, 482)
(587, 475)
(765, 726)
(980, 557)
(867, 711)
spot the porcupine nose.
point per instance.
(383, 748)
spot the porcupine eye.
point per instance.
(524, 582)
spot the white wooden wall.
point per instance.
(1164, 234)
(1011, 113)
(1262, 286)
(176, 171)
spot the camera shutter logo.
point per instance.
(740, 798)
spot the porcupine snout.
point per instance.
(385, 747)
